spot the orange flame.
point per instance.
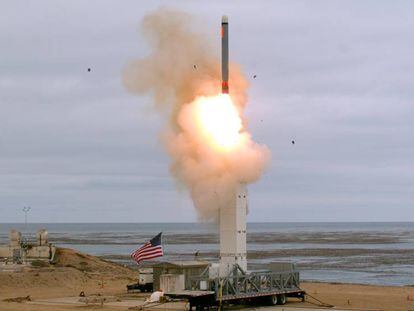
(219, 121)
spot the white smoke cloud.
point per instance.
(176, 85)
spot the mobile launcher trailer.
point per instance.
(229, 281)
(238, 287)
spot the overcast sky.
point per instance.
(335, 76)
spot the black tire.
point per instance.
(273, 300)
(281, 299)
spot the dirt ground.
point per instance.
(392, 298)
(76, 272)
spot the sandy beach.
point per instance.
(76, 272)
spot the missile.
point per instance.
(224, 55)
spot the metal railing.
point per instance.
(239, 284)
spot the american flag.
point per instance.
(151, 249)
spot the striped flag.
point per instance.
(151, 249)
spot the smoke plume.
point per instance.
(182, 74)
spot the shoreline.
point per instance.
(358, 284)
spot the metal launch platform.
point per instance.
(270, 287)
(229, 281)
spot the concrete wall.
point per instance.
(188, 272)
(43, 250)
(35, 252)
(39, 252)
(170, 283)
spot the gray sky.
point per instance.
(335, 76)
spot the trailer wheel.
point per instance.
(281, 299)
(273, 300)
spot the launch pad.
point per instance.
(229, 281)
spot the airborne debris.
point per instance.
(254, 77)
(89, 69)
(195, 66)
(293, 142)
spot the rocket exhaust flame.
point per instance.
(205, 132)
(219, 121)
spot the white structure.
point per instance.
(233, 232)
(170, 283)
(15, 238)
(16, 252)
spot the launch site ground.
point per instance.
(140, 303)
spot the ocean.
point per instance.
(365, 253)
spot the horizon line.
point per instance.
(213, 222)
